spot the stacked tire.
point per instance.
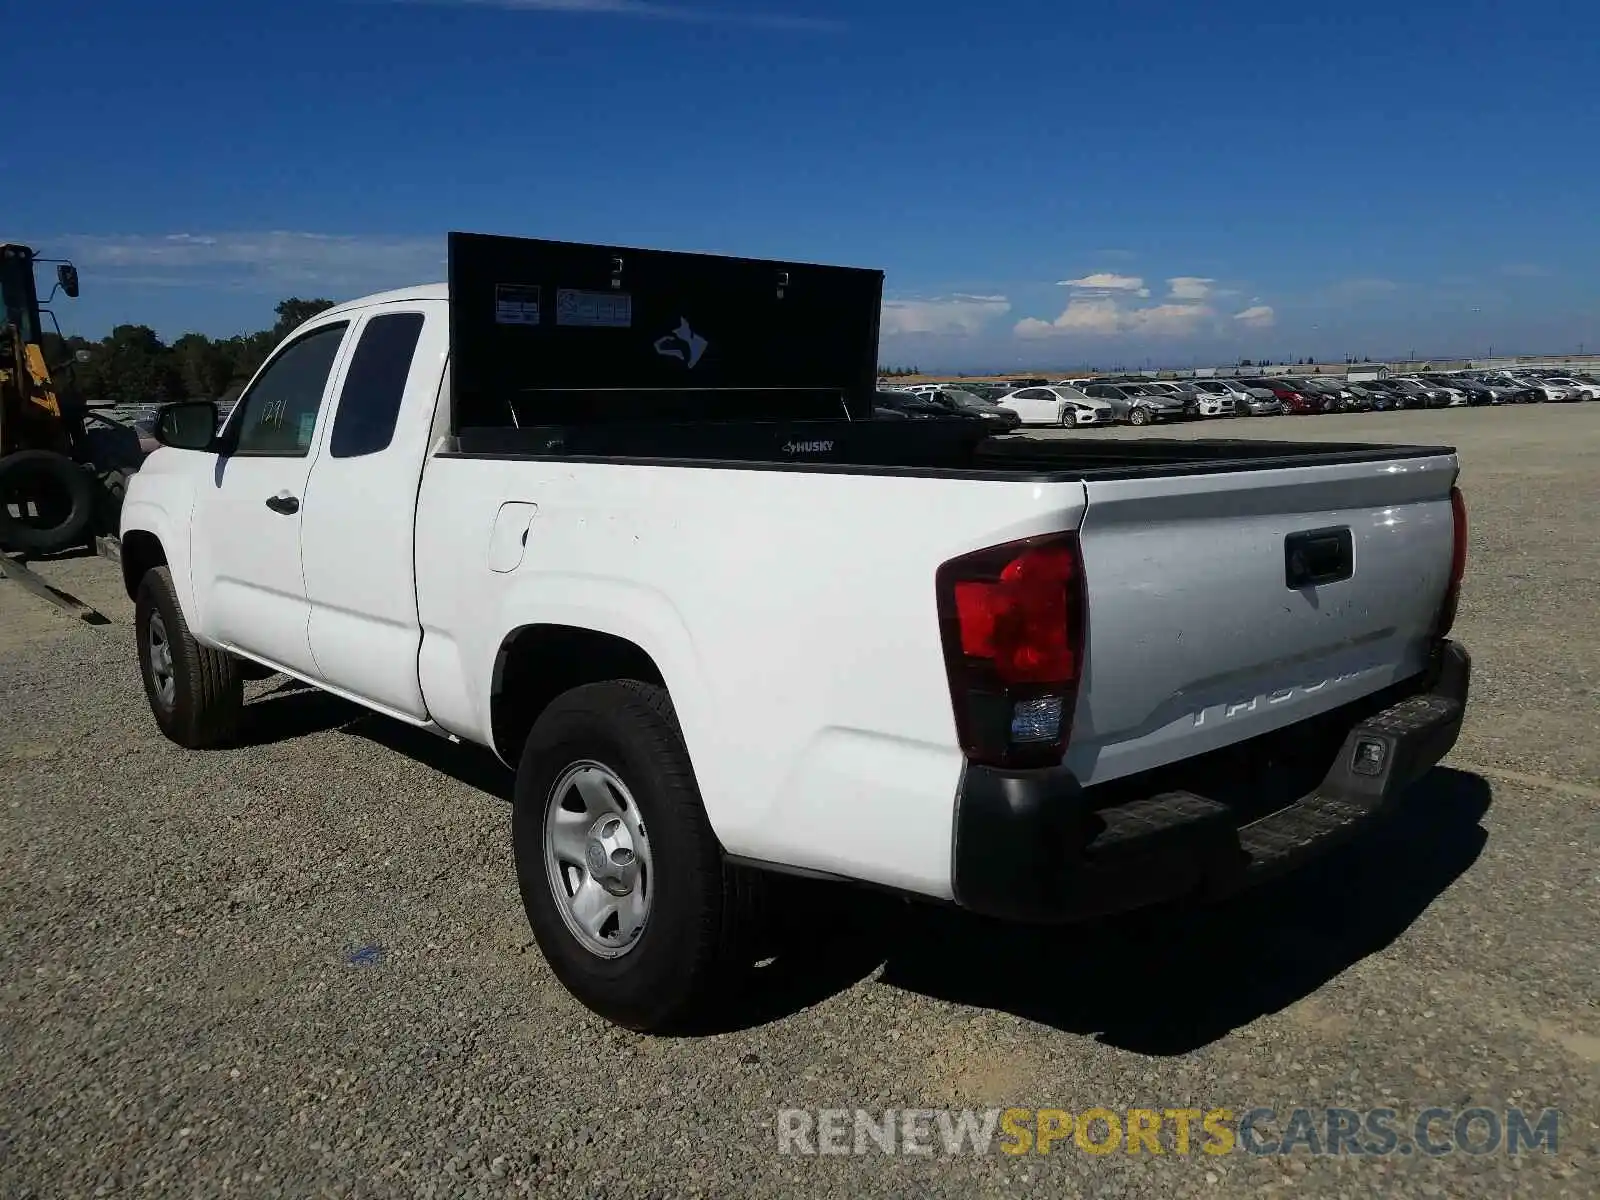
(47, 502)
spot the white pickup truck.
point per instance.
(623, 517)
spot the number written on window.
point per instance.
(280, 411)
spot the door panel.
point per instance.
(248, 583)
(358, 538)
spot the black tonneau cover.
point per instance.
(563, 333)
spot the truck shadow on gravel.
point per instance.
(1163, 981)
(290, 709)
(1171, 980)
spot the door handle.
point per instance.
(287, 505)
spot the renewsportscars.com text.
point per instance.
(1176, 1131)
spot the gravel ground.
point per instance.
(299, 968)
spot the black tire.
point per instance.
(113, 489)
(206, 695)
(694, 926)
(1138, 415)
(58, 490)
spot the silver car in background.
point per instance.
(1139, 403)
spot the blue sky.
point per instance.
(1043, 183)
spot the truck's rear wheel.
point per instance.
(194, 691)
(622, 879)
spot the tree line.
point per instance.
(132, 366)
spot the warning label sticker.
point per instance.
(516, 304)
(606, 310)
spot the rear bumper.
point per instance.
(1035, 846)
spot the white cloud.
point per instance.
(648, 9)
(1257, 316)
(1105, 281)
(1082, 315)
(1172, 319)
(943, 315)
(277, 257)
(1032, 327)
(1102, 316)
(1189, 287)
(1102, 305)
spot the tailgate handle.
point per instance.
(1317, 556)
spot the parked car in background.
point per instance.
(1550, 393)
(986, 391)
(1292, 398)
(1399, 397)
(1057, 404)
(1138, 403)
(1237, 398)
(1453, 395)
(1420, 395)
(1471, 391)
(1327, 391)
(965, 404)
(909, 404)
(1375, 398)
(1199, 402)
(1252, 401)
(1351, 398)
(1503, 391)
(1576, 389)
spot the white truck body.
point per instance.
(789, 608)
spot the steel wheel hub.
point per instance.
(597, 859)
(161, 661)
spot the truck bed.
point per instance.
(930, 447)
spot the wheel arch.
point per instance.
(141, 553)
(536, 663)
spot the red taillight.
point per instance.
(1458, 561)
(1012, 623)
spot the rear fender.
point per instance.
(632, 612)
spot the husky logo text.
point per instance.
(683, 344)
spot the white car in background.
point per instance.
(1575, 389)
(1553, 393)
(1247, 401)
(1458, 398)
(1056, 404)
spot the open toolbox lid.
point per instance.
(565, 333)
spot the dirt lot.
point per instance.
(300, 968)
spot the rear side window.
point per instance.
(369, 405)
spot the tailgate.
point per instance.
(1196, 636)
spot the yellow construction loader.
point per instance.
(61, 480)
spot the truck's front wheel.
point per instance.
(194, 691)
(621, 876)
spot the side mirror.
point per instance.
(67, 277)
(191, 425)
